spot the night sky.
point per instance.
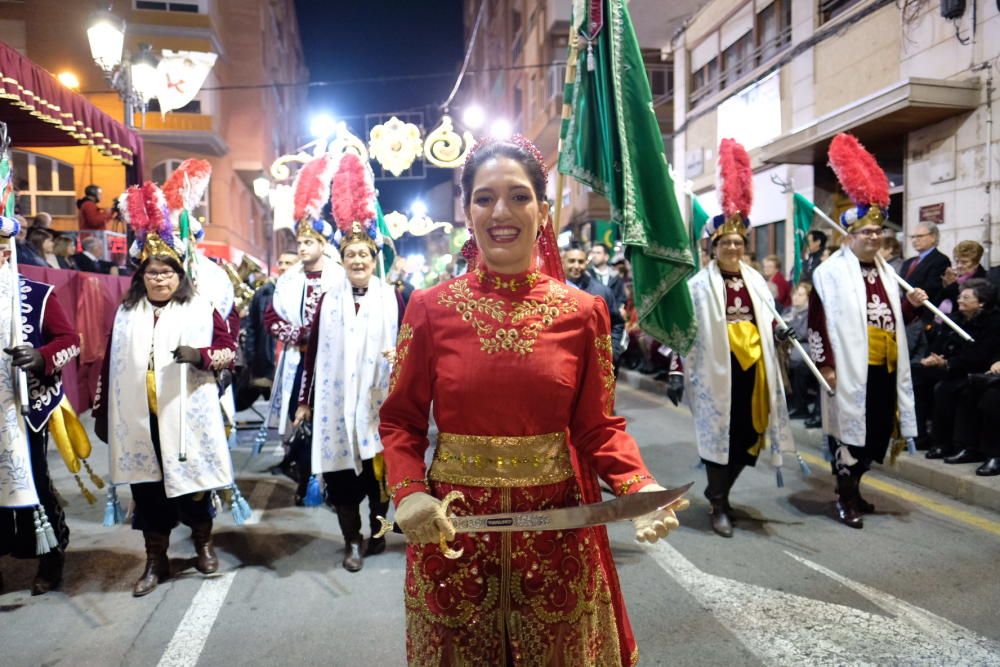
(377, 38)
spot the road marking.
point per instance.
(962, 516)
(189, 640)
(258, 501)
(786, 629)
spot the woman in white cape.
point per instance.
(166, 436)
(346, 370)
(736, 392)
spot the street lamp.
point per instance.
(136, 80)
(262, 187)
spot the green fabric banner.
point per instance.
(612, 143)
(604, 231)
(803, 218)
(699, 218)
(388, 251)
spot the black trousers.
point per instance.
(880, 421)
(345, 490)
(947, 429)
(977, 421)
(17, 525)
(989, 410)
(155, 512)
(804, 387)
(925, 379)
(742, 435)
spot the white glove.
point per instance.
(422, 518)
(651, 527)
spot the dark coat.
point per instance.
(927, 274)
(84, 263)
(965, 357)
(595, 287)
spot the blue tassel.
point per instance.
(232, 440)
(259, 440)
(803, 466)
(314, 497)
(239, 507)
(911, 446)
(780, 478)
(48, 530)
(113, 512)
(41, 542)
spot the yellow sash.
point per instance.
(151, 391)
(882, 348)
(744, 342)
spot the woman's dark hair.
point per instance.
(509, 149)
(137, 290)
(983, 289)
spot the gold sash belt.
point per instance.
(501, 461)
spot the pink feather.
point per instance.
(858, 171)
(156, 205)
(352, 194)
(312, 187)
(187, 184)
(132, 207)
(736, 176)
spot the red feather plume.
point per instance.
(312, 187)
(132, 207)
(353, 194)
(858, 172)
(736, 175)
(186, 185)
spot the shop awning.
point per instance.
(39, 111)
(885, 116)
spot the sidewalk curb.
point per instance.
(958, 481)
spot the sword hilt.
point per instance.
(448, 552)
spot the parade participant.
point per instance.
(737, 395)
(27, 497)
(296, 293)
(517, 366)
(347, 366)
(574, 261)
(258, 343)
(856, 334)
(157, 404)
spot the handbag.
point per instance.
(983, 381)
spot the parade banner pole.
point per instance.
(902, 283)
(17, 335)
(798, 346)
(567, 112)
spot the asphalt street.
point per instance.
(917, 586)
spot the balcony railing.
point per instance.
(555, 80)
(182, 122)
(735, 72)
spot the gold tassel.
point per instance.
(898, 441)
(95, 479)
(84, 491)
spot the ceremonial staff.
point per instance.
(17, 335)
(787, 187)
(798, 346)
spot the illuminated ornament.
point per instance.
(444, 147)
(345, 142)
(397, 223)
(418, 225)
(395, 145)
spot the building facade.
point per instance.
(245, 116)
(784, 76)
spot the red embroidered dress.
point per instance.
(519, 372)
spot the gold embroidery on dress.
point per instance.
(519, 336)
(512, 285)
(403, 341)
(604, 357)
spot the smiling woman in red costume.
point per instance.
(518, 368)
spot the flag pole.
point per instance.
(567, 112)
(899, 279)
(17, 335)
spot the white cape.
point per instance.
(132, 458)
(17, 483)
(708, 371)
(351, 378)
(841, 287)
(288, 301)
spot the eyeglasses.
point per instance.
(871, 233)
(157, 276)
(919, 236)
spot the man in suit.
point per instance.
(91, 259)
(925, 270)
(607, 275)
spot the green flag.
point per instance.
(699, 218)
(803, 219)
(612, 143)
(388, 249)
(604, 231)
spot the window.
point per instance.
(705, 81)
(737, 60)
(161, 172)
(831, 9)
(43, 184)
(774, 29)
(194, 106)
(189, 7)
(661, 80)
(516, 23)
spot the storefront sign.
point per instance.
(932, 213)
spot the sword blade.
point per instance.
(567, 518)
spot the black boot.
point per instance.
(847, 505)
(50, 571)
(863, 505)
(157, 564)
(717, 493)
(990, 468)
(201, 534)
(349, 517)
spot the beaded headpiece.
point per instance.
(863, 181)
(735, 189)
(518, 140)
(144, 208)
(311, 193)
(352, 202)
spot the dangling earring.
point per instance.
(470, 251)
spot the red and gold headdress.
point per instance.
(144, 208)
(735, 188)
(311, 193)
(863, 181)
(352, 200)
